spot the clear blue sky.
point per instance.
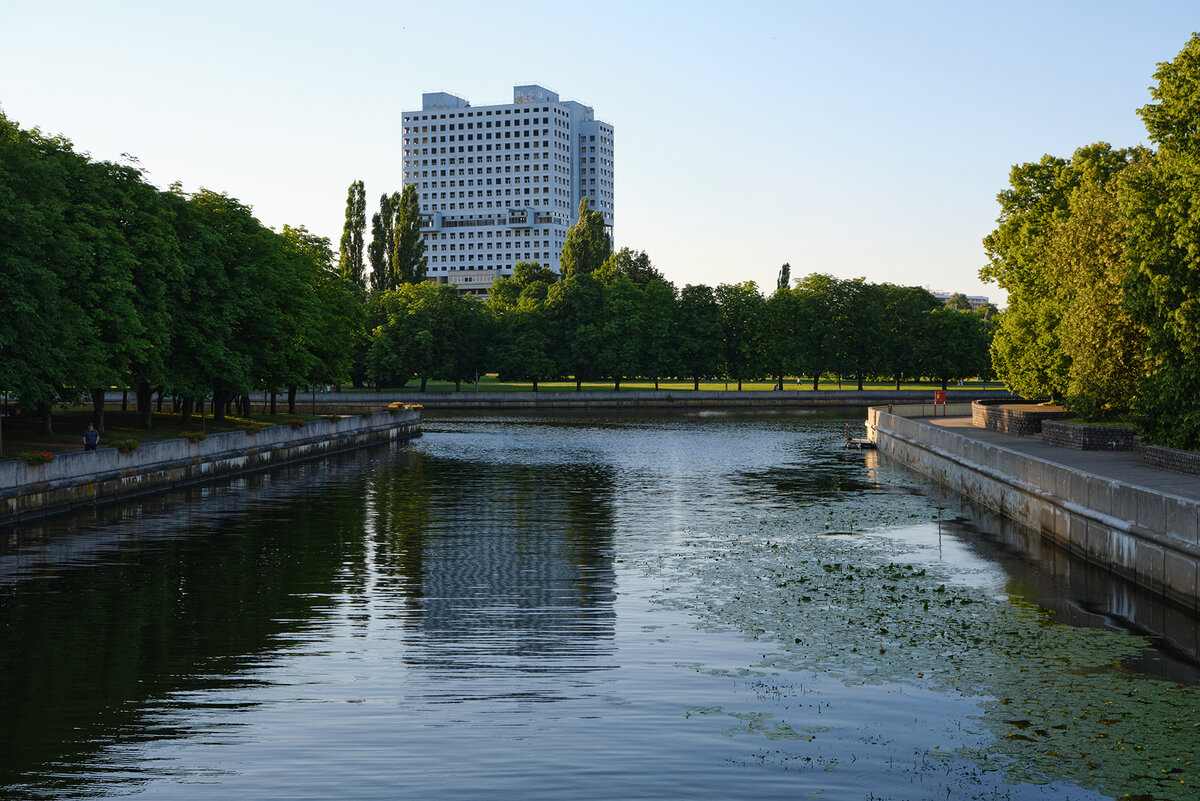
(854, 138)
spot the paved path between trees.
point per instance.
(1124, 466)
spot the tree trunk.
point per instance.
(816, 382)
(578, 384)
(161, 394)
(945, 381)
(185, 411)
(739, 385)
(656, 385)
(859, 376)
(145, 404)
(292, 399)
(780, 386)
(97, 409)
(273, 409)
(44, 411)
(535, 385)
(695, 383)
(617, 384)
(458, 385)
(125, 399)
(220, 398)
(897, 382)
(423, 380)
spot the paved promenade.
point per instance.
(1124, 466)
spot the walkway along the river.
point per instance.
(84, 478)
(1141, 522)
(352, 402)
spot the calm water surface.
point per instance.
(701, 606)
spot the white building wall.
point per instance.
(501, 184)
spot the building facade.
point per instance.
(976, 301)
(498, 185)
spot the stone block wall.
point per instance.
(1088, 438)
(1172, 459)
(991, 414)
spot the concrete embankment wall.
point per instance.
(82, 478)
(1149, 537)
(347, 402)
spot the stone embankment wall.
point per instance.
(1149, 537)
(82, 478)
(349, 402)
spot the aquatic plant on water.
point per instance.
(1057, 702)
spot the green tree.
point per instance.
(381, 252)
(522, 346)
(817, 329)
(527, 278)
(661, 330)
(350, 249)
(743, 320)
(955, 346)
(37, 256)
(408, 257)
(958, 301)
(1027, 351)
(575, 307)
(784, 281)
(699, 332)
(1162, 289)
(633, 265)
(624, 328)
(904, 318)
(588, 243)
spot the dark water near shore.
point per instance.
(701, 606)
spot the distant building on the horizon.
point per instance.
(501, 184)
(977, 301)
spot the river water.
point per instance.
(651, 606)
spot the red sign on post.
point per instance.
(939, 396)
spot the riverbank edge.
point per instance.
(1139, 533)
(106, 475)
(350, 402)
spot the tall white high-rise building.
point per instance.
(499, 185)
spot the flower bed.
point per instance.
(35, 458)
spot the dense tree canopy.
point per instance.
(1100, 257)
(112, 282)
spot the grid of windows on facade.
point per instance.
(498, 185)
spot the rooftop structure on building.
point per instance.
(498, 185)
(976, 301)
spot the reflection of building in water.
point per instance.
(514, 570)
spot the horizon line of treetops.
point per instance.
(111, 282)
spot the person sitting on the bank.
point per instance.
(91, 438)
